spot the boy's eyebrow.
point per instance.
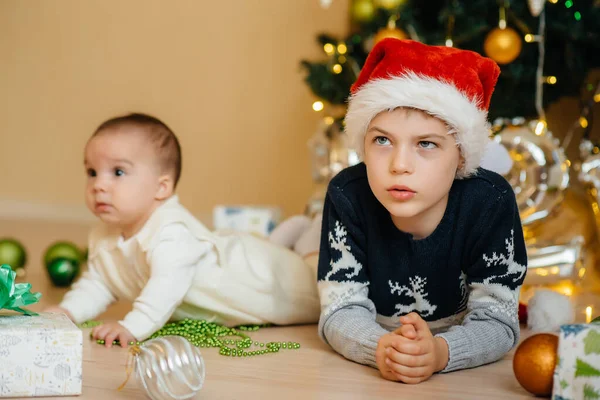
(433, 135)
(426, 135)
(378, 129)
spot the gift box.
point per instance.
(577, 373)
(40, 355)
(250, 219)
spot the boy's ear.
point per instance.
(461, 163)
(165, 187)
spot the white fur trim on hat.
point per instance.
(438, 98)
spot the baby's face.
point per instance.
(122, 178)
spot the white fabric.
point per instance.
(175, 268)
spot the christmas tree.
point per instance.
(556, 42)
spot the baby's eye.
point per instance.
(119, 172)
(382, 140)
(91, 172)
(427, 145)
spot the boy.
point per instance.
(422, 253)
(151, 251)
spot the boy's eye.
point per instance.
(427, 145)
(119, 172)
(91, 172)
(382, 140)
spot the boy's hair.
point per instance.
(165, 141)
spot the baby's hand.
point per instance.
(57, 309)
(112, 331)
(416, 359)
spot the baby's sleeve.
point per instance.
(494, 277)
(88, 297)
(347, 322)
(173, 261)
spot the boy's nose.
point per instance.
(402, 162)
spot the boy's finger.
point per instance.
(408, 331)
(411, 372)
(415, 319)
(406, 359)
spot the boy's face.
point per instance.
(411, 164)
(123, 178)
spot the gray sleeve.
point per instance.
(349, 327)
(488, 332)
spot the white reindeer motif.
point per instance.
(347, 259)
(417, 291)
(512, 267)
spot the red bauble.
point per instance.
(522, 313)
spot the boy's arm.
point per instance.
(88, 297)
(347, 321)
(173, 263)
(491, 327)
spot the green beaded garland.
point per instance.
(202, 333)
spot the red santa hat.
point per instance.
(450, 84)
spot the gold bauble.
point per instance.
(389, 33)
(389, 4)
(503, 45)
(534, 362)
(363, 10)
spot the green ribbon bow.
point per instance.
(14, 296)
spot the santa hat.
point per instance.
(451, 84)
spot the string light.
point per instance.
(577, 16)
(540, 127)
(502, 21)
(318, 106)
(551, 80)
(588, 314)
(342, 48)
(328, 120)
(337, 68)
(583, 122)
(341, 59)
(328, 48)
(568, 4)
(597, 98)
(553, 1)
(529, 38)
(539, 87)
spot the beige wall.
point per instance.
(223, 74)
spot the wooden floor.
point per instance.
(312, 372)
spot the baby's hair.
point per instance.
(167, 145)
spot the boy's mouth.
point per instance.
(401, 192)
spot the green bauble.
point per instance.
(63, 271)
(12, 253)
(62, 249)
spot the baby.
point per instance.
(151, 251)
